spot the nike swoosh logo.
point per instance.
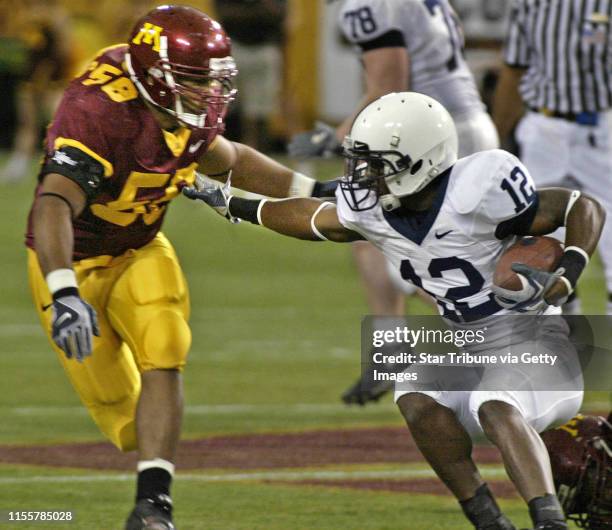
(45, 307)
(443, 234)
(193, 148)
(63, 318)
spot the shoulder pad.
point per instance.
(474, 175)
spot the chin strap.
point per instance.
(191, 120)
(389, 202)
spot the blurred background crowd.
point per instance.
(294, 66)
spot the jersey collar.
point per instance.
(416, 225)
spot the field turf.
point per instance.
(275, 341)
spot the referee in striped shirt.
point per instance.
(557, 85)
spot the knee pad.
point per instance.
(166, 340)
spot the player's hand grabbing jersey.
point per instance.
(105, 139)
(451, 249)
(432, 35)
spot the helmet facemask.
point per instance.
(366, 172)
(190, 94)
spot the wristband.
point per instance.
(62, 282)
(261, 203)
(325, 190)
(301, 185)
(313, 226)
(246, 209)
(575, 195)
(572, 263)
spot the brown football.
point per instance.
(539, 252)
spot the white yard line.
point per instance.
(489, 472)
(231, 408)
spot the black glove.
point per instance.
(74, 322)
(320, 142)
(366, 389)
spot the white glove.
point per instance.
(216, 196)
(74, 322)
(531, 297)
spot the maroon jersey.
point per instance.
(144, 167)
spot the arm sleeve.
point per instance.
(516, 47)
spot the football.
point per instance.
(539, 252)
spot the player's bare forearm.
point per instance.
(258, 173)
(508, 105)
(306, 219)
(53, 234)
(61, 199)
(584, 221)
(251, 170)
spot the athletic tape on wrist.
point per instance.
(570, 204)
(61, 279)
(301, 185)
(313, 227)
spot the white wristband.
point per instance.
(301, 185)
(313, 227)
(61, 279)
(568, 285)
(259, 207)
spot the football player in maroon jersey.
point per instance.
(129, 134)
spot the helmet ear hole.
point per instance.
(416, 167)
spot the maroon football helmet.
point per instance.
(180, 61)
(581, 458)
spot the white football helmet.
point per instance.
(405, 138)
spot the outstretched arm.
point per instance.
(305, 219)
(308, 219)
(253, 171)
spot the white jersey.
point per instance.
(433, 37)
(451, 250)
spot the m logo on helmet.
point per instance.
(149, 34)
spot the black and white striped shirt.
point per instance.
(566, 46)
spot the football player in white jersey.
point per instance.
(443, 223)
(412, 45)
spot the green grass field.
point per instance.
(275, 341)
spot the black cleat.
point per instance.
(501, 523)
(151, 514)
(550, 525)
(366, 390)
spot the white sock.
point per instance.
(156, 462)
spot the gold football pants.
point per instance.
(142, 303)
